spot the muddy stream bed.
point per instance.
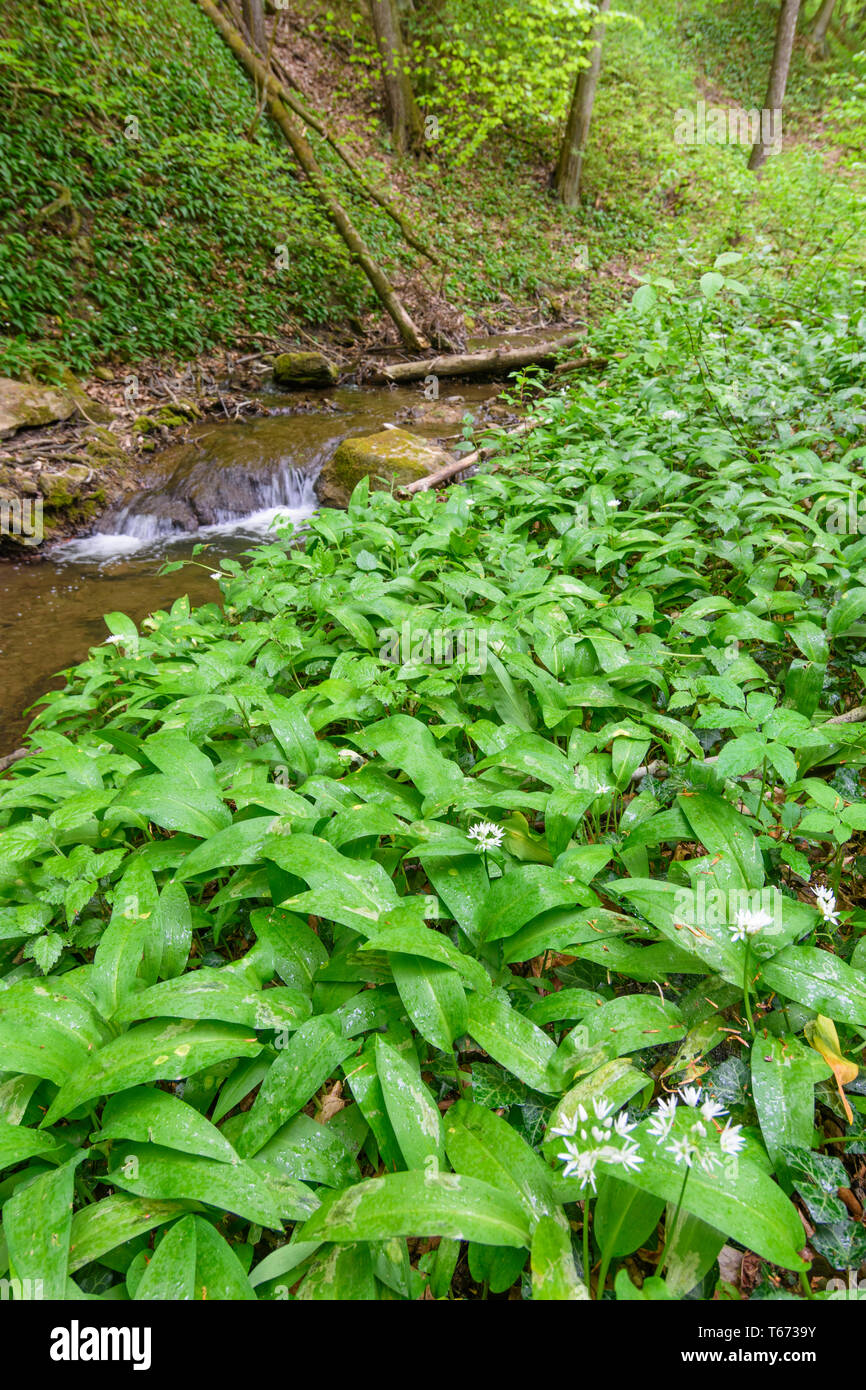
(224, 486)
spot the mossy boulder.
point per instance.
(389, 457)
(305, 369)
(63, 489)
(23, 405)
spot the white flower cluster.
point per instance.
(690, 1145)
(749, 924)
(605, 1141)
(825, 901)
(603, 1137)
(486, 835)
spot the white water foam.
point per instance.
(289, 498)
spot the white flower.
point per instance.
(731, 1141)
(486, 835)
(579, 1163)
(215, 574)
(673, 415)
(630, 1158)
(691, 1095)
(614, 502)
(597, 1146)
(711, 1110)
(602, 789)
(662, 1120)
(621, 1125)
(684, 1150)
(113, 641)
(349, 755)
(749, 924)
(825, 901)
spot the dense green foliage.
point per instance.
(148, 207)
(273, 1016)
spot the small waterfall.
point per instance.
(160, 513)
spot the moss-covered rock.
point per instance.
(25, 406)
(390, 457)
(305, 369)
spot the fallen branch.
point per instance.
(659, 767)
(576, 364)
(304, 154)
(451, 470)
(16, 757)
(491, 361)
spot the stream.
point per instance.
(224, 486)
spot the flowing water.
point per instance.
(224, 486)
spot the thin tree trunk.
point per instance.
(786, 30)
(404, 117)
(294, 98)
(570, 165)
(254, 19)
(822, 23)
(306, 158)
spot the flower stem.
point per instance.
(586, 1270)
(746, 986)
(672, 1229)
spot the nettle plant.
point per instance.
(329, 977)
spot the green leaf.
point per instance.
(147, 1170)
(433, 997)
(170, 1274)
(156, 1051)
(416, 1204)
(218, 994)
(624, 1217)
(309, 1058)
(175, 804)
(113, 1221)
(411, 1109)
(151, 1116)
(554, 1276)
(37, 1224)
(819, 980)
(511, 1040)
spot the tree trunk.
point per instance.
(305, 156)
(404, 117)
(570, 165)
(822, 23)
(771, 115)
(254, 19)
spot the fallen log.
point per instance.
(491, 361)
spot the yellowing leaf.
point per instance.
(823, 1037)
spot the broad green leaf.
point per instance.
(411, 1109)
(420, 1204)
(170, 1275)
(156, 1051)
(554, 1276)
(510, 1038)
(37, 1223)
(433, 997)
(151, 1116)
(311, 1055)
